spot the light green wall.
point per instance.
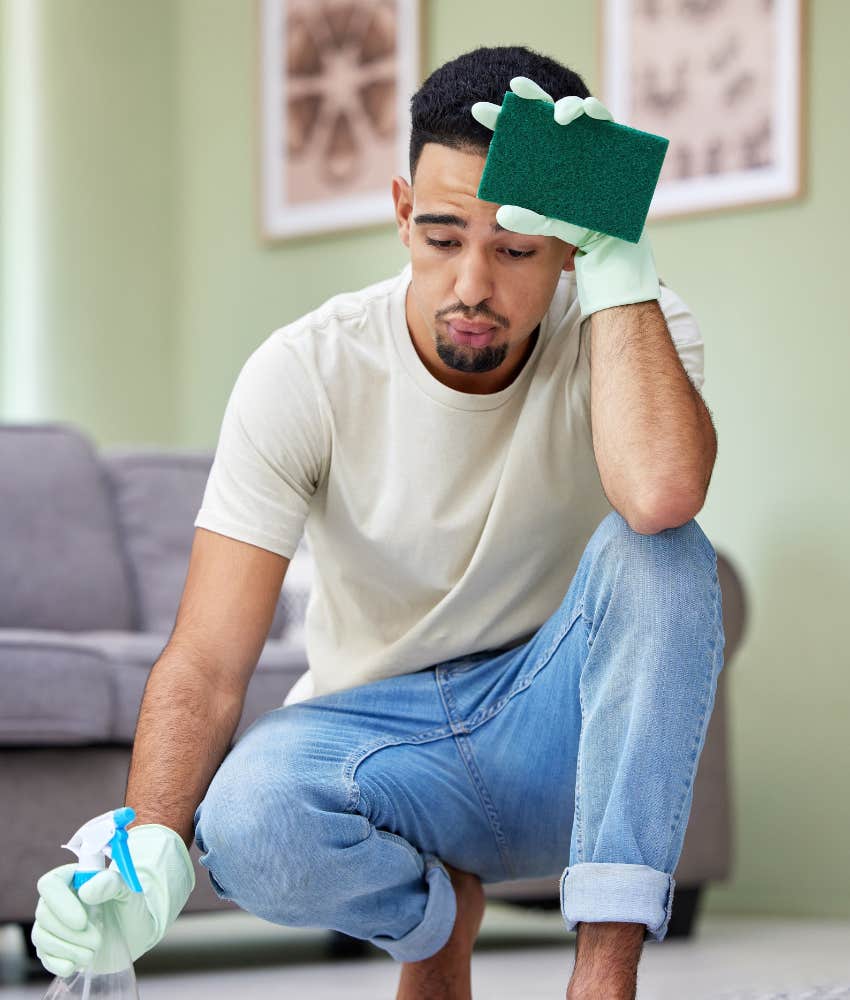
(234, 290)
(769, 287)
(102, 267)
(163, 288)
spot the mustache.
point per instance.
(478, 313)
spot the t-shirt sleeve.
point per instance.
(685, 335)
(272, 452)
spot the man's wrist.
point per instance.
(616, 273)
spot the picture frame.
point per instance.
(334, 88)
(723, 82)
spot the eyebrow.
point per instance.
(436, 219)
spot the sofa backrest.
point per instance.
(157, 496)
(62, 565)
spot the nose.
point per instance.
(473, 279)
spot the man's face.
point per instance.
(478, 291)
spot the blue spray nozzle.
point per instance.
(103, 837)
(121, 850)
(80, 878)
(123, 816)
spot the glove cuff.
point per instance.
(616, 273)
(161, 857)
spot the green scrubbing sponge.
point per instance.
(593, 173)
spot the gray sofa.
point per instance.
(95, 550)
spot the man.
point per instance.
(514, 634)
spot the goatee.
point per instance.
(470, 359)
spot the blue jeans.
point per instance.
(581, 744)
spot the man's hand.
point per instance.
(67, 939)
(609, 271)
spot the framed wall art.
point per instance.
(722, 80)
(335, 81)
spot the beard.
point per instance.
(465, 358)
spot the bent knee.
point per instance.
(684, 545)
(273, 852)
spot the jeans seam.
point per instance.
(358, 756)
(467, 663)
(389, 835)
(465, 751)
(461, 729)
(478, 719)
(577, 817)
(460, 732)
(704, 707)
(707, 546)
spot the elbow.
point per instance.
(666, 511)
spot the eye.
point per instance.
(448, 244)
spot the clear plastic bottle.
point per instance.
(89, 985)
(102, 837)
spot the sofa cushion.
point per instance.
(56, 690)
(157, 495)
(86, 687)
(63, 565)
(132, 655)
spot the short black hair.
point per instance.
(440, 109)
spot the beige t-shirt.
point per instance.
(440, 522)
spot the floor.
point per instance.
(520, 955)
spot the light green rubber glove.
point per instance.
(65, 937)
(609, 271)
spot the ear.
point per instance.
(570, 259)
(403, 201)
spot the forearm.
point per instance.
(653, 438)
(186, 724)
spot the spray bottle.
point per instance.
(101, 838)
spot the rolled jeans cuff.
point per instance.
(593, 892)
(437, 923)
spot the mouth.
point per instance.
(471, 334)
